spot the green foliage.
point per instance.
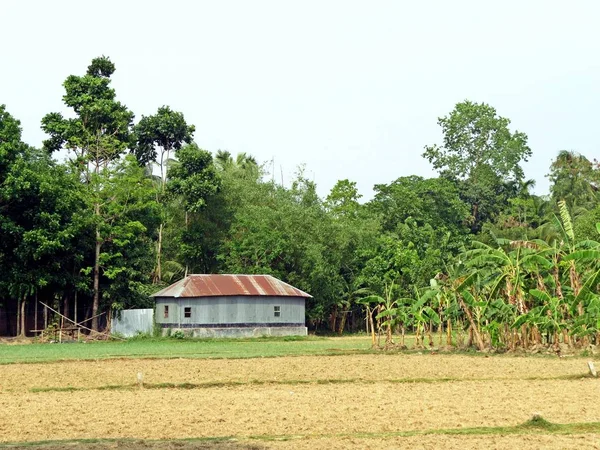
(166, 129)
(574, 180)
(476, 137)
(177, 335)
(193, 177)
(482, 156)
(100, 132)
(471, 250)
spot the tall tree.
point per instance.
(166, 131)
(11, 145)
(574, 179)
(97, 136)
(193, 179)
(480, 151)
(343, 200)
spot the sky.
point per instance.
(350, 89)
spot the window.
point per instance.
(187, 312)
(166, 311)
(277, 311)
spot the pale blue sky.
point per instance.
(352, 89)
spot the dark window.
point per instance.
(166, 311)
(277, 311)
(187, 312)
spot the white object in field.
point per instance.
(140, 378)
(592, 369)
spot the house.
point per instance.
(231, 306)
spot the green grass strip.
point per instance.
(536, 425)
(218, 384)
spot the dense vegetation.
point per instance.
(138, 205)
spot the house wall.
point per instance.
(234, 311)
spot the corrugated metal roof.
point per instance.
(225, 285)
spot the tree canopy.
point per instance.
(138, 205)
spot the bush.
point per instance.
(178, 334)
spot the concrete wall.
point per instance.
(239, 332)
(133, 321)
(231, 312)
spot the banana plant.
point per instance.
(389, 314)
(423, 315)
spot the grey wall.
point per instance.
(133, 321)
(231, 310)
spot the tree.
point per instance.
(425, 222)
(97, 136)
(167, 130)
(11, 145)
(243, 162)
(40, 203)
(129, 210)
(343, 199)
(574, 179)
(481, 153)
(193, 180)
(434, 201)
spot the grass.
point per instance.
(185, 348)
(165, 348)
(213, 384)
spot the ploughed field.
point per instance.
(295, 402)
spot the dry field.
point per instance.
(354, 401)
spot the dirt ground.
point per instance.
(93, 374)
(447, 392)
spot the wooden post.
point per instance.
(75, 309)
(592, 369)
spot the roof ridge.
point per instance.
(214, 285)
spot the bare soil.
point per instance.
(94, 374)
(448, 392)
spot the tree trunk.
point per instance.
(187, 223)
(23, 317)
(75, 308)
(35, 327)
(370, 313)
(66, 305)
(429, 335)
(158, 271)
(108, 321)
(480, 344)
(333, 319)
(342, 324)
(45, 318)
(96, 302)
(18, 333)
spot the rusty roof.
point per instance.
(228, 285)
